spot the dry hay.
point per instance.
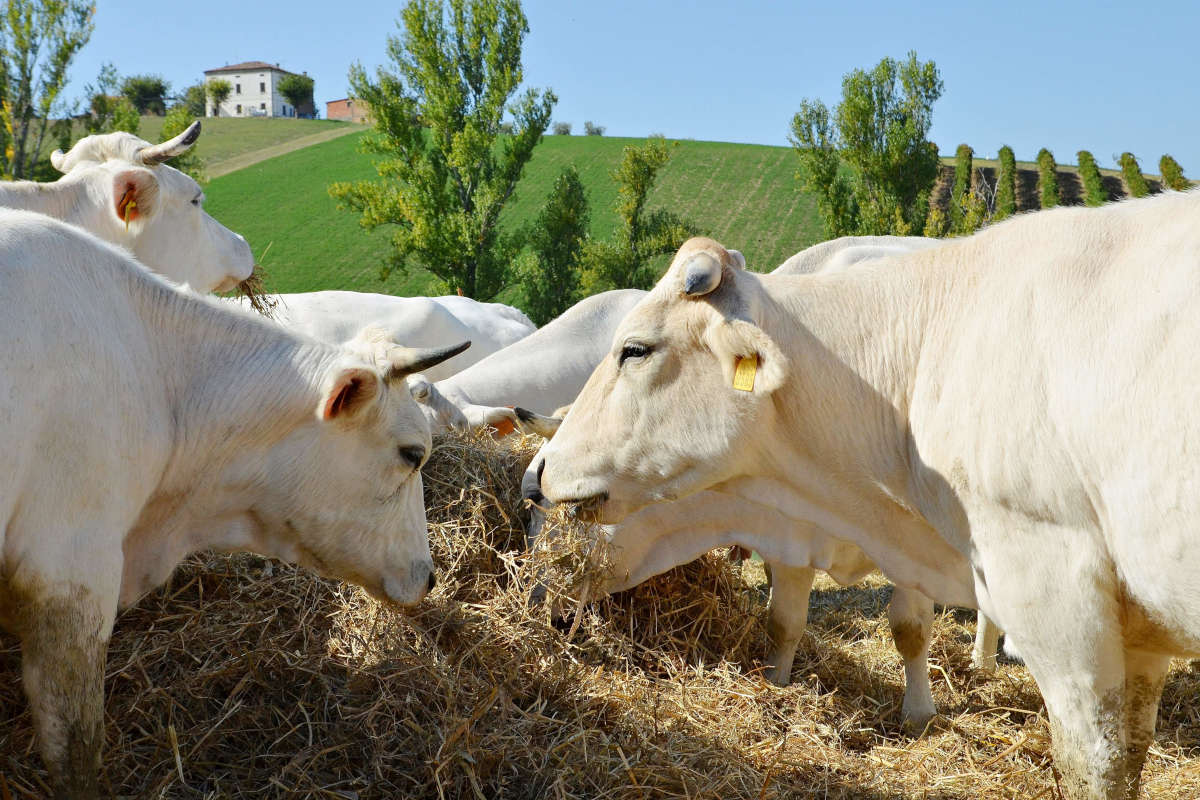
(245, 678)
(254, 289)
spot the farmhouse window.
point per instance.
(237, 88)
(239, 108)
(262, 87)
(262, 106)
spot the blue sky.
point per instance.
(1101, 76)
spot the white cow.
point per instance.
(338, 317)
(546, 370)
(1007, 421)
(140, 423)
(117, 187)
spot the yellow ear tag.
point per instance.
(131, 205)
(743, 373)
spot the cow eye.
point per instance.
(197, 199)
(634, 350)
(413, 455)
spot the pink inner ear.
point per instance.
(124, 211)
(339, 401)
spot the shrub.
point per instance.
(562, 129)
(593, 130)
(936, 224)
(1089, 173)
(550, 271)
(1047, 179)
(962, 186)
(1134, 180)
(190, 162)
(1006, 189)
(1172, 174)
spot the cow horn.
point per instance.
(701, 275)
(158, 153)
(406, 361)
(57, 160)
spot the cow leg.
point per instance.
(987, 642)
(1065, 615)
(1145, 674)
(790, 587)
(62, 668)
(910, 615)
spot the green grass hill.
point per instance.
(746, 196)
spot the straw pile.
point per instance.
(254, 289)
(247, 678)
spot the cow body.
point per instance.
(1005, 421)
(116, 187)
(337, 317)
(140, 423)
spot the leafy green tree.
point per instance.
(1006, 185)
(960, 195)
(178, 118)
(446, 171)
(590, 129)
(626, 261)
(1047, 179)
(108, 110)
(298, 91)
(878, 132)
(218, 92)
(562, 129)
(937, 224)
(1093, 187)
(1134, 178)
(38, 41)
(193, 99)
(550, 271)
(1172, 174)
(147, 93)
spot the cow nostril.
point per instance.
(432, 582)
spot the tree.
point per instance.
(550, 272)
(1134, 179)
(189, 162)
(298, 91)
(218, 91)
(38, 41)
(108, 110)
(593, 130)
(878, 132)
(193, 100)
(1006, 185)
(624, 262)
(147, 93)
(1172, 174)
(960, 195)
(1093, 187)
(562, 129)
(1047, 179)
(446, 172)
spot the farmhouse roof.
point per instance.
(247, 66)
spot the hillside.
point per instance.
(744, 195)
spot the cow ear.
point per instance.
(739, 260)
(750, 360)
(134, 195)
(353, 390)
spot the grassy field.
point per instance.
(744, 195)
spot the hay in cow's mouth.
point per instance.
(244, 677)
(254, 290)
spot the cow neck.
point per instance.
(856, 340)
(60, 199)
(235, 385)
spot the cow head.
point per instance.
(345, 495)
(153, 210)
(679, 402)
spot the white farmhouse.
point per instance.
(254, 92)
